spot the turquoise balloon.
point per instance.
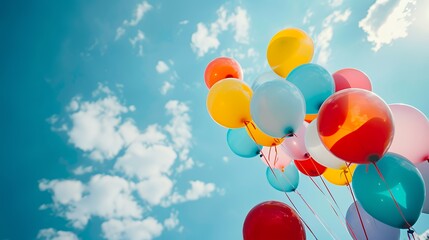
(277, 108)
(241, 143)
(286, 181)
(315, 83)
(405, 183)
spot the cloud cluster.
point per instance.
(206, 36)
(387, 21)
(141, 173)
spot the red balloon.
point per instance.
(221, 68)
(310, 167)
(351, 78)
(356, 125)
(273, 220)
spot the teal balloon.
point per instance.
(241, 143)
(405, 183)
(315, 83)
(286, 181)
(277, 108)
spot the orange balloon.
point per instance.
(262, 138)
(341, 177)
(221, 68)
(228, 103)
(310, 117)
(356, 125)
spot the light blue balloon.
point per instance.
(277, 108)
(404, 181)
(315, 83)
(374, 228)
(286, 181)
(241, 143)
(265, 77)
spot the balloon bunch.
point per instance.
(301, 118)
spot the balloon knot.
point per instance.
(410, 231)
(307, 155)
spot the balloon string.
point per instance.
(355, 202)
(391, 195)
(260, 150)
(339, 209)
(315, 214)
(299, 214)
(410, 232)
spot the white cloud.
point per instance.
(138, 161)
(173, 221)
(225, 159)
(387, 21)
(162, 67)
(205, 39)
(335, 3)
(198, 190)
(184, 22)
(52, 234)
(146, 160)
(166, 87)
(105, 196)
(120, 31)
(155, 189)
(83, 170)
(139, 12)
(64, 191)
(138, 38)
(146, 229)
(323, 39)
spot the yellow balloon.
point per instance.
(228, 103)
(288, 49)
(338, 176)
(262, 138)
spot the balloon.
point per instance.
(351, 78)
(277, 108)
(274, 221)
(340, 177)
(284, 181)
(228, 103)
(310, 167)
(222, 68)
(310, 117)
(261, 138)
(356, 125)
(318, 151)
(374, 228)
(288, 49)
(315, 83)
(411, 133)
(424, 170)
(276, 157)
(405, 183)
(295, 145)
(241, 144)
(265, 77)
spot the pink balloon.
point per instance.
(411, 133)
(351, 78)
(295, 145)
(276, 157)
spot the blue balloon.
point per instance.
(277, 108)
(315, 83)
(405, 183)
(241, 143)
(374, 228)
(286, 181)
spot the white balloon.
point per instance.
(318, 151)
(424, 170)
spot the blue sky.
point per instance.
(105, 133)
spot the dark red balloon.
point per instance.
(310, 167)
(273, 220)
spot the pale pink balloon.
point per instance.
(295, 145)
(276, 157)
(411, 133)
(351, 78)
